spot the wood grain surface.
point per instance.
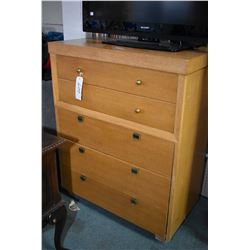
(154, 83)
(153, 113)
(183, 62)
(152, 188)
(148, 152)
(141, 214)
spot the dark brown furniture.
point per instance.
(53, 208)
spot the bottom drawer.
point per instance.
(153, 189)
(136, 211)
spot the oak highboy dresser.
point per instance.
(137, 139)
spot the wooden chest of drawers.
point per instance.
(137, 139)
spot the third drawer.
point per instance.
(143, 150)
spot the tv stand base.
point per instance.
(167, 45)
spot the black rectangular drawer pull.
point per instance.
(81, 150)
(80, 118)
(134, 170)
(133, 201)
(83, 178)
(136, 136)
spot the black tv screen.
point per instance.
(165, 20)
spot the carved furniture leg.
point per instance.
(59, 219)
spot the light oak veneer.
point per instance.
(154, 84)
(165, 144)
(154, 113)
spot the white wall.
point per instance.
(52, 16)
(72, 20)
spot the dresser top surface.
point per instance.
(183, 62)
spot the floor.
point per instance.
(93, 228)
(48, 112)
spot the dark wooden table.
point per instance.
(53, 207)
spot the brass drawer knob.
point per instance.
(80, 118)
(134, 170)
(79, 72)
(138, 110)
(136, 136)
(138, 82)
(83, 178)
(81, 150)
(133, 201)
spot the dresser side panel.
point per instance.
(190, 150)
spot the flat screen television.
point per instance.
(158, 24)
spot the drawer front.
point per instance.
(129, 208)
(154, 84)
(140, 149)
(151, 188)
(154, 113)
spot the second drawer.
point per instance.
(154, 113)
(120, 175)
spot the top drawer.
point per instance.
(143, 82)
